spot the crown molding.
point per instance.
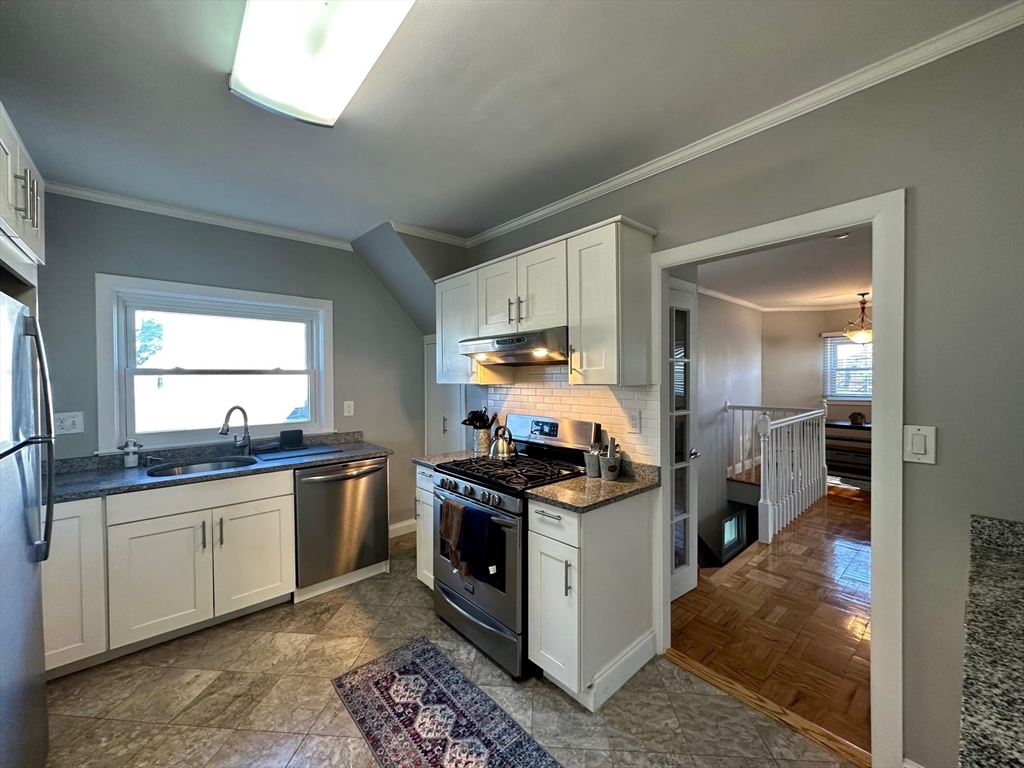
(188, 214)
(951, 41)
(759, 308)
(429, 234)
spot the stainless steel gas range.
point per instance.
(486, 600)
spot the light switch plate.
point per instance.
(68, 423)
(919, 444)
(350, 407)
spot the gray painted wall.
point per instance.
(791, 359)
(951, 133)
(407, 266)
(378, 351)
(728, 368)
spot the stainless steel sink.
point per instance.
(204, 466)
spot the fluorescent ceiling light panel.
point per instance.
(307, 58)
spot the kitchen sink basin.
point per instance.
(203, 466)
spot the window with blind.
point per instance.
(846, 368)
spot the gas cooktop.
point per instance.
(517, 474)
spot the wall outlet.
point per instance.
(350, 407)
(633, 416)
(68, 423)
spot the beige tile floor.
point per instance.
(256, 693)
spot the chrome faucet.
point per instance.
(245, 442)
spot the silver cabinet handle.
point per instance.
(203, 527)
(424, 474)
(35, 203)
(542, 513)
(510, 318)
(416, 510)
(567, 566)
(338, 477)
(519, 311)
(26, 178)
(222, 531)
(571, 352)
(444, 425)
(694, 453)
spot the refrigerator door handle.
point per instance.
(42, 548)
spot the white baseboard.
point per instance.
(402, 527)
(615, 675)
(339, 581)
(908, 763)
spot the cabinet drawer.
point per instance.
(424, 479)
(555, 523)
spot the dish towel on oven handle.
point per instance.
(450, 532)
(482, 546)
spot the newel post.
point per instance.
(765, 513)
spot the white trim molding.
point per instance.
(944, 44)
(759, 308)
(886, 215)
(429, 234)
(67, 190)
(908, 763)
(402, 527)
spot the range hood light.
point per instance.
(480, 356)
(307, 58)
(540, 352)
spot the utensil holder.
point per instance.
(483, 440)
(592, 462)
(610, 467)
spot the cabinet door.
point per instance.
(160, 574)
(541, 282)
(11, 193)
(75, 584)
(445, 409)
(554, 619)
(497, 307)
(456, 320)
(425, 537)
(593, 278)
(254, 553)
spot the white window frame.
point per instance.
(825, 374)
(117, 296)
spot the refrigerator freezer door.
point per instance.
(23, 727)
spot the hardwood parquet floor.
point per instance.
(794, 622)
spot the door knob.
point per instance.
(694, 453)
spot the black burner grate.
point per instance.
(518, 473)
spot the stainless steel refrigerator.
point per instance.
(26, 522)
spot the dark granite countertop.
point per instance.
(992, 716)
(90, 483)
(578, 494)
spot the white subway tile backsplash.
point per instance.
(546, 391)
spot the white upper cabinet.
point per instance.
(497, 296)
(541, 284)
(609, 300)
(596, 282)
(22, 193)
(456, 306)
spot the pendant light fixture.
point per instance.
(859, 331)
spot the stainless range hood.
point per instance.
(547, 347)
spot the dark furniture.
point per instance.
(848, 449)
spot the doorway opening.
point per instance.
(784, 616)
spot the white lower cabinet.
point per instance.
(74, 584)
(554, 635)
(160, 574)
(253, 553)
(425, 526)
(591, 599)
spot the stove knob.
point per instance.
(495, 500)
(485, 497)
(468, 490)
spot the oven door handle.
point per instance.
(504, 522)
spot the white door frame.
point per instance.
(885, 213)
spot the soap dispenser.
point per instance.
(131, 453)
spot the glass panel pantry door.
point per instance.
(680, 355)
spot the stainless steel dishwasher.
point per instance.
(341, 519)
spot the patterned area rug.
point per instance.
(417, 710)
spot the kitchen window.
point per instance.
(175, 357)
(846, 368)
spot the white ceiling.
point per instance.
(477, 112)
(819, 273)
